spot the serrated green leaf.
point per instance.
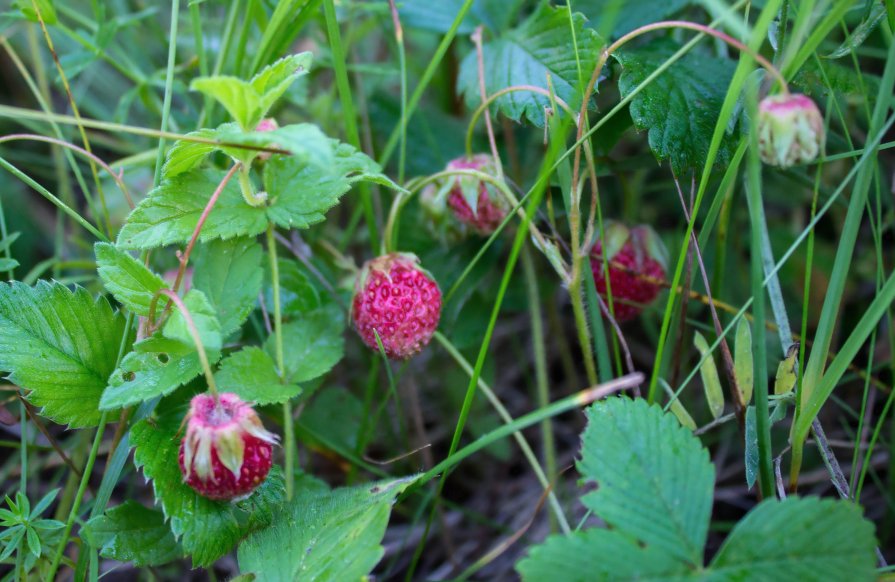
(248, 101)
(300, 194)
(252, 374)
(799, 539)
(132, 284)
(170, 212)
(273, 80)
(207, 529)
(320, 537)
(240, 100)
(61, 345)
(597, 554)
(315, 344)
(230, 274)
(304, 141)
(655, 478)
(680, 108)
(204, 317)
(708, 371)
(133, 533)
(156, 367)
(623, 16)
(185, 155)
(542, 45)
(742, 360)
(835, 78)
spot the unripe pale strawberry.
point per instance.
(636, 259)
(226, 452)
(397, 299)
(469, 193)
(790, 130)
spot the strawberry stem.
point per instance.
(289, 433)
(194, 333)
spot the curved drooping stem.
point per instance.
(87, 154)
(184, 259)
(194, 333)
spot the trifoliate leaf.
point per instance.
(324, 536)
(248, 101)
(170, 212)
(541, 46)
(681, 106)
(133, 533)
(206, 529)
(799, 539)
(126, 278)
(252, 374)
(61, 345)
(229, 273)
(655, 478)
(156, 367)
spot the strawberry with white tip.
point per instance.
(226, 452)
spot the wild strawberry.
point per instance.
(468, 192)
(790, 130)
(636, 259)
(226, 452)
(397, 299)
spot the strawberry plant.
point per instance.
(334, 290)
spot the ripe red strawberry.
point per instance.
(634, 256)
(397, 299)
(226, 452)
(490, 204)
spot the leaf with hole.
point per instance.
(60, 345)
(156, 367)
